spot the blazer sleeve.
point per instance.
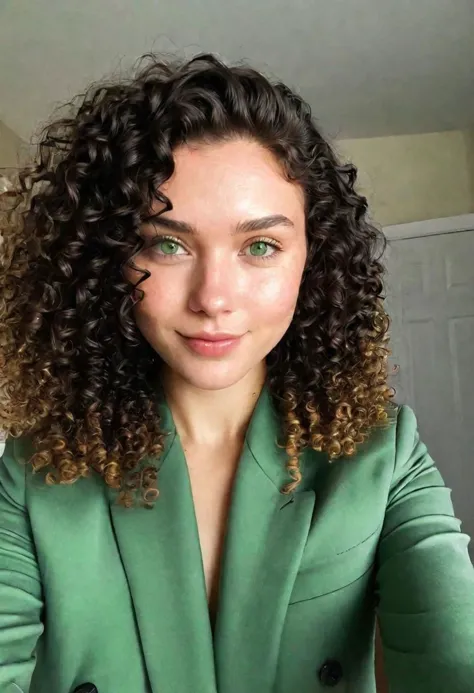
(424, 579)
(20, 585)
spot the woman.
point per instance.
(206, 485)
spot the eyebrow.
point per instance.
(247, 226)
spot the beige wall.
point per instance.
(415, 177)
(12, 148)
(469, 140)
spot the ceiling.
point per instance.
(367, 67)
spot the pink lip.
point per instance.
(211, 345)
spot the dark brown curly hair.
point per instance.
(76, 375)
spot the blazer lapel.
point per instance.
(161, 556)
(267, 533)
(160, 549)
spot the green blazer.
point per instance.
(93, 592)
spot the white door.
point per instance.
(430, 298)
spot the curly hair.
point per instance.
(76, 375)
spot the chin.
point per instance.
(213, 379)
(210, 375)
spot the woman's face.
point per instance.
(226, 261)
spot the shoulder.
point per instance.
(22, 488)
(385, 455)
(13, 469)
(395, 438)
(406, 435)
(399, 444)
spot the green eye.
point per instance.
(168, 247)
(258, 248)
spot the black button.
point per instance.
(330, 673)
(86, 688)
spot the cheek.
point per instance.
(159, 303)
(274, 299)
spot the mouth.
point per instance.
(211, 345)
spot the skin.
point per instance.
(220, 280)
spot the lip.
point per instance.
(216, 344)
(213, 336)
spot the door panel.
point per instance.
(430, 299)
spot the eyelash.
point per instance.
(269, 241)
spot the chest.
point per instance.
(298, 592)
(212, 473)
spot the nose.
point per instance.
(214, 287)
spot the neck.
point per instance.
(212, 417)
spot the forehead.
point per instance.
(232, 180)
